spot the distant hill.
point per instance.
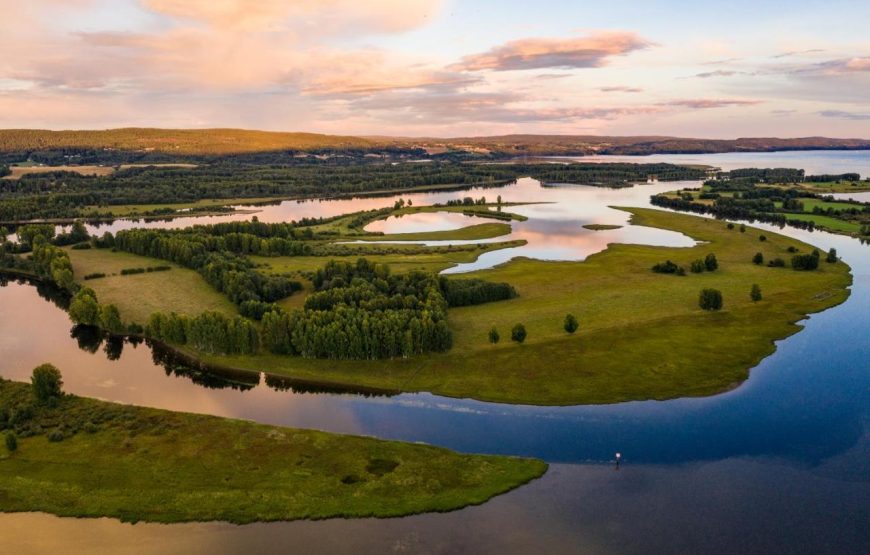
(179, 141)
(579, 145)
(239, 141)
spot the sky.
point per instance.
(732, 69)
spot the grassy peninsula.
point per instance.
(87, 458)
(638, 336)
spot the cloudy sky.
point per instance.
(441, 67)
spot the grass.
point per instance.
(826, 222)
(137, 296)
(642, 335)
(601, 227)
(18, 171)
(132, 210)
(467, 233)
(835, 186)
(138, 464)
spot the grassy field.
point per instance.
(601, 227)
(826, 222)
(18, 171)
(836, 187)
(137, 464)
(642, 335)
(467, 233)
(180, 290)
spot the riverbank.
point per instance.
(133, 463)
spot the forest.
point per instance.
(66, 195)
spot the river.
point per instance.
(779, 464)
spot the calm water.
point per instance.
(781, 464)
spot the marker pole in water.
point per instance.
(618, 458)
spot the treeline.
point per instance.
(210, 332)
(466, 292)
(828, 178)
(730, 211)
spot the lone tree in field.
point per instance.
(47, 382)
(571, 323)
(518, 334)
(755, 294)
(710, 299)
(758, 258)
(711, 263)
(494, 336)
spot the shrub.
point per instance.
(697, 266)
(730, 226)
(130, 271)
(81, 246)
(518, 333)
(95, 275)
(832, 256)
(792, 249)
(710, 299)
(758, 258)
(494, 336)
(805, 262)
(776, 263)
(711, 263)
(742, 228)
(571, 323)
(11, 442)
(666, 267)
(47, 382)
(755, 293)
(55, 436)
(762, 238)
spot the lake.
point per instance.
(780, 464)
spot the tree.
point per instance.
(110, 318)
(832, 256)
(755, 293)
(11, 442)
(494, 336)
(711, 263)
(84, 308)
(710, 299)
(518, 333)
(758, 258)
(47, 382)
(697, 266)
(571, 323)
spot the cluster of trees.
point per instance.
(828, 178)
(361, 311)
(709, 264)
(226, 271)
(466, 292)
(210, 332)
(669, 267)
(806, 262)
(86, 310)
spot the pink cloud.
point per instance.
(584, 52)
(624, 89)
(705, 103)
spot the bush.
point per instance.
(832, 256)
(666, 267)
(742, 228)
(711, 263)
(571, 323)
(730, 226)
(792, 249)
(11, 442)
(697, 266)
(130, 271)
(710, 299)
(55, 436)
(47, 382)
(518, 333)
(755, 293)
(95, 275)
(758, 258)
(777, 263)
(762, 238)
(805, 262)
(494, 336)
(81, 246)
